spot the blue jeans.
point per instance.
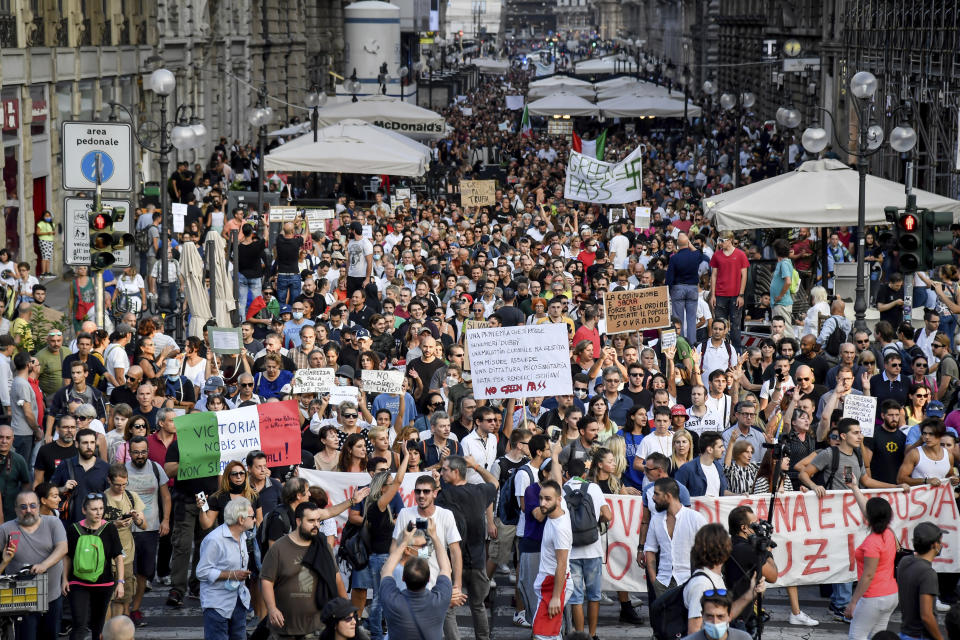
(948, 325)
(288, 283)
(41, 625)
(375, 611)
(684, 298)
(726, 307)
(248, 287)
(24, 446)
(842, 593)
(234, 628)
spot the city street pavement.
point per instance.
(165, 623)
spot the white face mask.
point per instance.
(298, 315)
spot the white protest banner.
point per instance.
(225, 339)
(316, 217)
(592, 180)
(368, 231)
(319, 380)
(340, 394)
(402, 193)
(179, 216)
(283, 214)
(519, 362)
(340, 486)
(863, 409)
(816, 537)
(375, 381)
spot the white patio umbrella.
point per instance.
(290, 130)
(352, 146)
(198, 299)
(573, 89)
(636, 88)
(819, 193)
(551, 81)
(633, 106)
(564, 104)
(386, 112)
(607, 64)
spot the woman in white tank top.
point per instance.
(929, 463)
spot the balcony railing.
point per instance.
(8, 30)
(62, 38)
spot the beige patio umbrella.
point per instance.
(196, 293)
(223, 297)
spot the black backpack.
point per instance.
(507, 508)
(280, 512)
(583, 515)
(837, 338)
(668, 613)
(355, 544)
(825, 476)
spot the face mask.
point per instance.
(451, 381)
(580, 393)
(715, 630)
(436, 282)
(298, 315)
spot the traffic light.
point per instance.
(936, 233)
(909, 242)
(104, 239)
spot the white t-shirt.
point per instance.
(521, 481)
(721, 407)
(446, 531)
(709, 421)
(196, 373)
(594, 549)
(713, 479)
(357, 251)
(695, 588)
(130, 286)
(117, 359)
(557, 534)
(653, 443)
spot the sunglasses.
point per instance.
(715, 592)
(237, 474)
(246, 384)
(422, 491)
(349, 415)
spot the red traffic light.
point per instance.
(909, 222)
(99, 222)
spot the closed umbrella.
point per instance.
(196, 293)
(223, 297)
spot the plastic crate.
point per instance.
(23, 596)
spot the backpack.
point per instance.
(837, 338)
(794, 280)
(702, 347)
(825, 476)
(279, 513)
(355, 545)
(583, 515)
(89, 558)
(668, 613)
(141, 240)
(507, 508)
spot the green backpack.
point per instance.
(89, 558)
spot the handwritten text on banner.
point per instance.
(519, 362)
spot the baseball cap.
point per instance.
(934, 409)
(285, 308)
(173, 367)
(926, 533)
(286, 389)
(345, 371)
(678, 410)
(408, 267)
(336, 609)
(213, 383)
(467, 297)
(362, 333)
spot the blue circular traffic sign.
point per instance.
(88, 166)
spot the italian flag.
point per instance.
(525, 130)
(591, 148)
(210, 439)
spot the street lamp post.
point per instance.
(737, 103)
(260, 117)
(178, 135)
(870, 137)
(313, 101)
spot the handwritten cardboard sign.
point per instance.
(478, 193)
(467, 325)
(319, 380)
(637, 310)
(863, 409)
(520, 362)
(375, 381)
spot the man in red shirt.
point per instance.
(588, 330)
(728, 277)
(801, 252)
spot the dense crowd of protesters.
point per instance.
(89, 462)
